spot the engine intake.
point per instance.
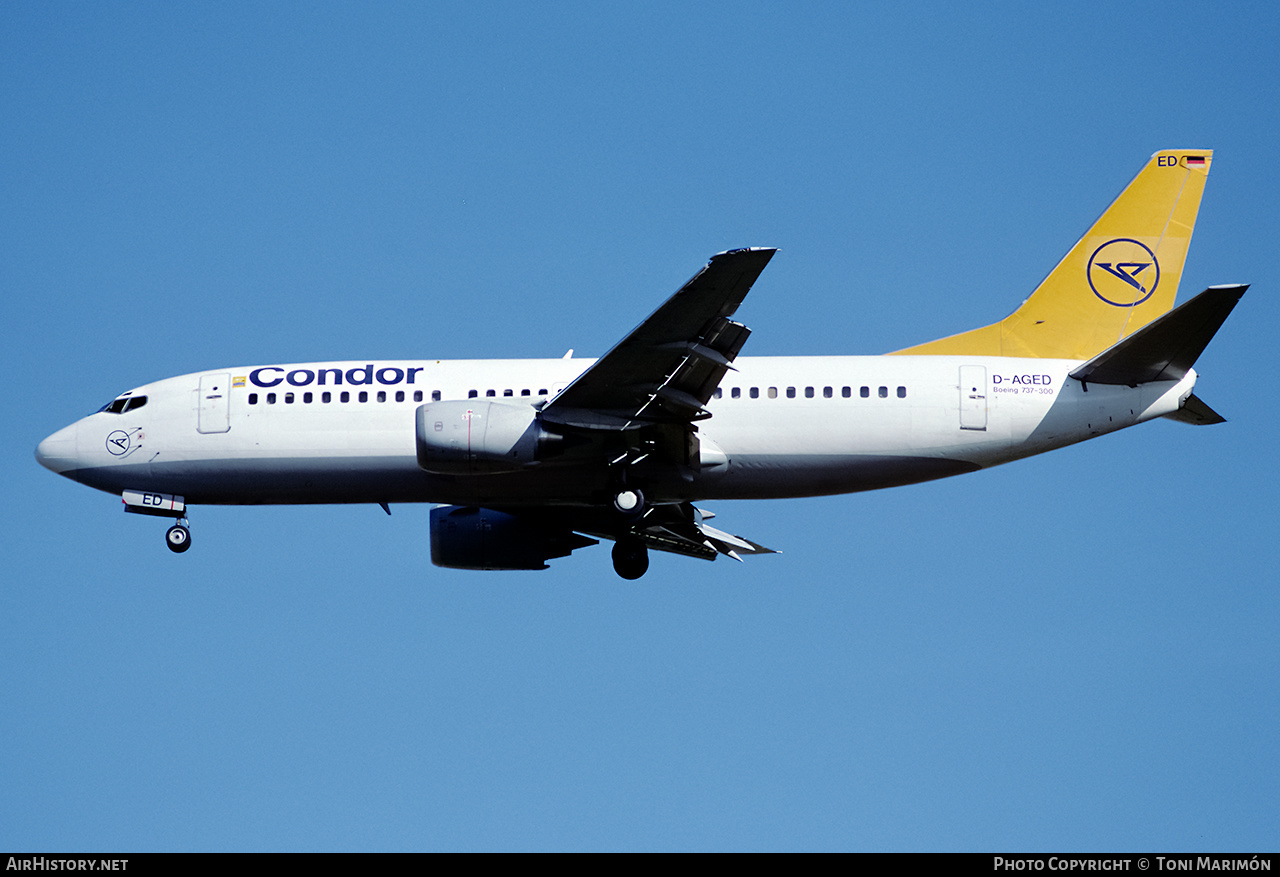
(475, 538)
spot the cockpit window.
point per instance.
(123, 404)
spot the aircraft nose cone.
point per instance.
(58, 452)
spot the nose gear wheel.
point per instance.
(178, 537)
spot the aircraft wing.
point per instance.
(666, 369)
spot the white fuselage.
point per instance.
(780, 426)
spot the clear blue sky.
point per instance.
(1077, 651)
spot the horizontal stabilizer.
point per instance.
(1196, 413)
(1166, 348)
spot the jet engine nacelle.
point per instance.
(476, 435)
(474, 538)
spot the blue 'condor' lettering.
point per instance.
(271, 376)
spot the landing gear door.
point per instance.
(215, 404)
(973, 397)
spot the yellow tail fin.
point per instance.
(1118, 278)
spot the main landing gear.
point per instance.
(178, 537)
(630, 555)
(630, 558)
(629, 502)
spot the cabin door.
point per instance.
(215, 404)
(973, 397)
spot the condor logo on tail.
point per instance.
(1123, 272)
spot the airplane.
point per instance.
(532, 459)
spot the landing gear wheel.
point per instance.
(630, 558)
(178, 538)
(629, 502)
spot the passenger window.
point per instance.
(471, 394)
(307, 397)
(865, 392)
(755, 393)
(506, 393)
(542, 392)
(808, 392)
(253, 398)
(345, 397)
(719, 392)
(902, 392)
(326, 397)
(884, 392)
(490, 393)
(382, 395)
(773, 392)
(288, 398)
(435, 396)
(736, 392)
(271, 398)
(364, 396)
(791, 392)
(524, 392)
(846, 392)
(399, 395)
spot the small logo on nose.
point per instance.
(120, 443)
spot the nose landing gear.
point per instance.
(178, 537)
(162, 505)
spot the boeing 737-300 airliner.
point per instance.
(530, 459)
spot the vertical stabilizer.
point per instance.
(1120, 276)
